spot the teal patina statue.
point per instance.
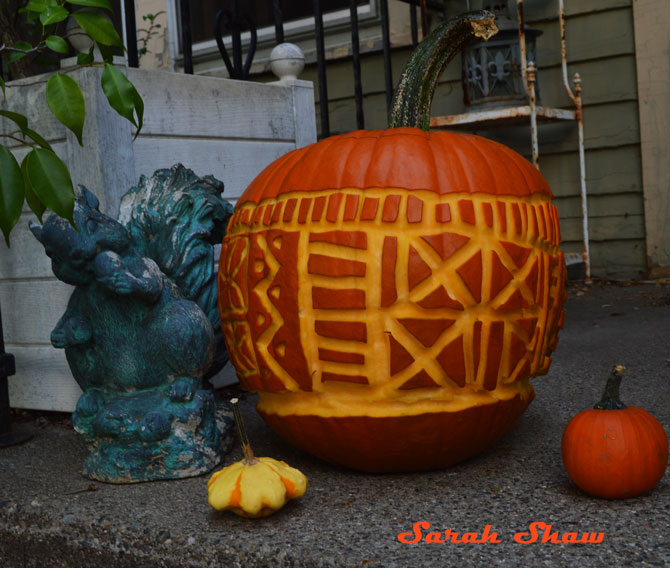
(141, 331)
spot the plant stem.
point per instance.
(23, 142)
(9, 48)
(249, 458)
(610, 399)
(414, 94)
(63, 71)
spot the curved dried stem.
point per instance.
(249, 457)
(414, 94)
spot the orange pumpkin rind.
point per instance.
(615, 451)
(389, 293)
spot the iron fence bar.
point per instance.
(218, 36)
(186, 40)
(252, 48)
(356, 58)
(321, 62)
(233, 22)
(424, 18)
(236, 36)
(413, 24)
(279, 22)
(386, 46)
(8, 436)
(6, 362)
(131, 33)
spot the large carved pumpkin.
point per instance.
(389, 294)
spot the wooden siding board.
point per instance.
(614, 259)
(534, 11)
(608, 171)
(619, 259)
(621, 205)
(610, 228)
(608, 80)
(588, 36)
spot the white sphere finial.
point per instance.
(287, 61)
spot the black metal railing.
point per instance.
(8, 435)
(231, 21)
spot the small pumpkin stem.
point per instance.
(414, 94)
(249, 458)
(610, 399)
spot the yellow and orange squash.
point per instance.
(254, 487)
(389, 293)
(612, 450)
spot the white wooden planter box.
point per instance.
(229, 129)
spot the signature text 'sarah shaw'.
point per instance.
(537, 532)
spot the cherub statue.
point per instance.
(141, 331)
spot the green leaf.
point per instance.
(16, 55)
(98, 28)
(66, 101)
(53, 15)
(49, 178)
(37, 138)
(11, 192)
(2, 86)
(139, 110)
(36, 206)
(92, 3)
(106, 52)
(122, 96)
(85, 58)
(20, 120)
(39, 5)
(22, 45)
(57, 44)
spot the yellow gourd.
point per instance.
(254, 487)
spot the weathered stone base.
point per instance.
(153, 435)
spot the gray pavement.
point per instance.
(51, 516)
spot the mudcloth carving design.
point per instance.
(382, 249)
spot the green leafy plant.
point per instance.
(42, 179)
(145, 34)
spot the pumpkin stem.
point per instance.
(249, 458)
(414, 94)
(610, 399)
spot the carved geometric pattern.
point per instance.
(391, 288)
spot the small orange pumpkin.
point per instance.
(389, 293)
(613, 450)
